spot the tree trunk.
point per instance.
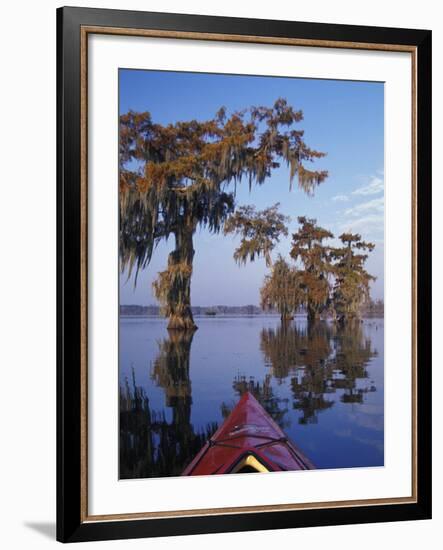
(180, 270)
(313, 314)
(349, 318)
(286, 317)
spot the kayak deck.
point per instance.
(248, 441)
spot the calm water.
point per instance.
(323, 386)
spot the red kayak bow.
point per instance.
(248, 441)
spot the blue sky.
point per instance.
(344, 119)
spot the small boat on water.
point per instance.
(248, 441)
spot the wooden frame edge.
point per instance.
(251, 39)
(88, 29)
(84, 274)
(84, 32)
(414, 249)
(249, 509)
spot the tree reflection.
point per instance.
(311, 384)
(136, 436)
(288, 347)
(275, 406)
(150, 446)
(171, 372)
(353, 353)
(319, 360)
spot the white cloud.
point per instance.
(372, 224)
(370, 207)
(366, 218)
(340, 198)
(375, 186)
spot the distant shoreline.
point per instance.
(239, 315)
(153, 316)
(210, 311)
(131, 311)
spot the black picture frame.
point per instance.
(71, 526)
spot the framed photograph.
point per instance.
(244, 274)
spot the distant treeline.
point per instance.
(375, 308)
(129, 310)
